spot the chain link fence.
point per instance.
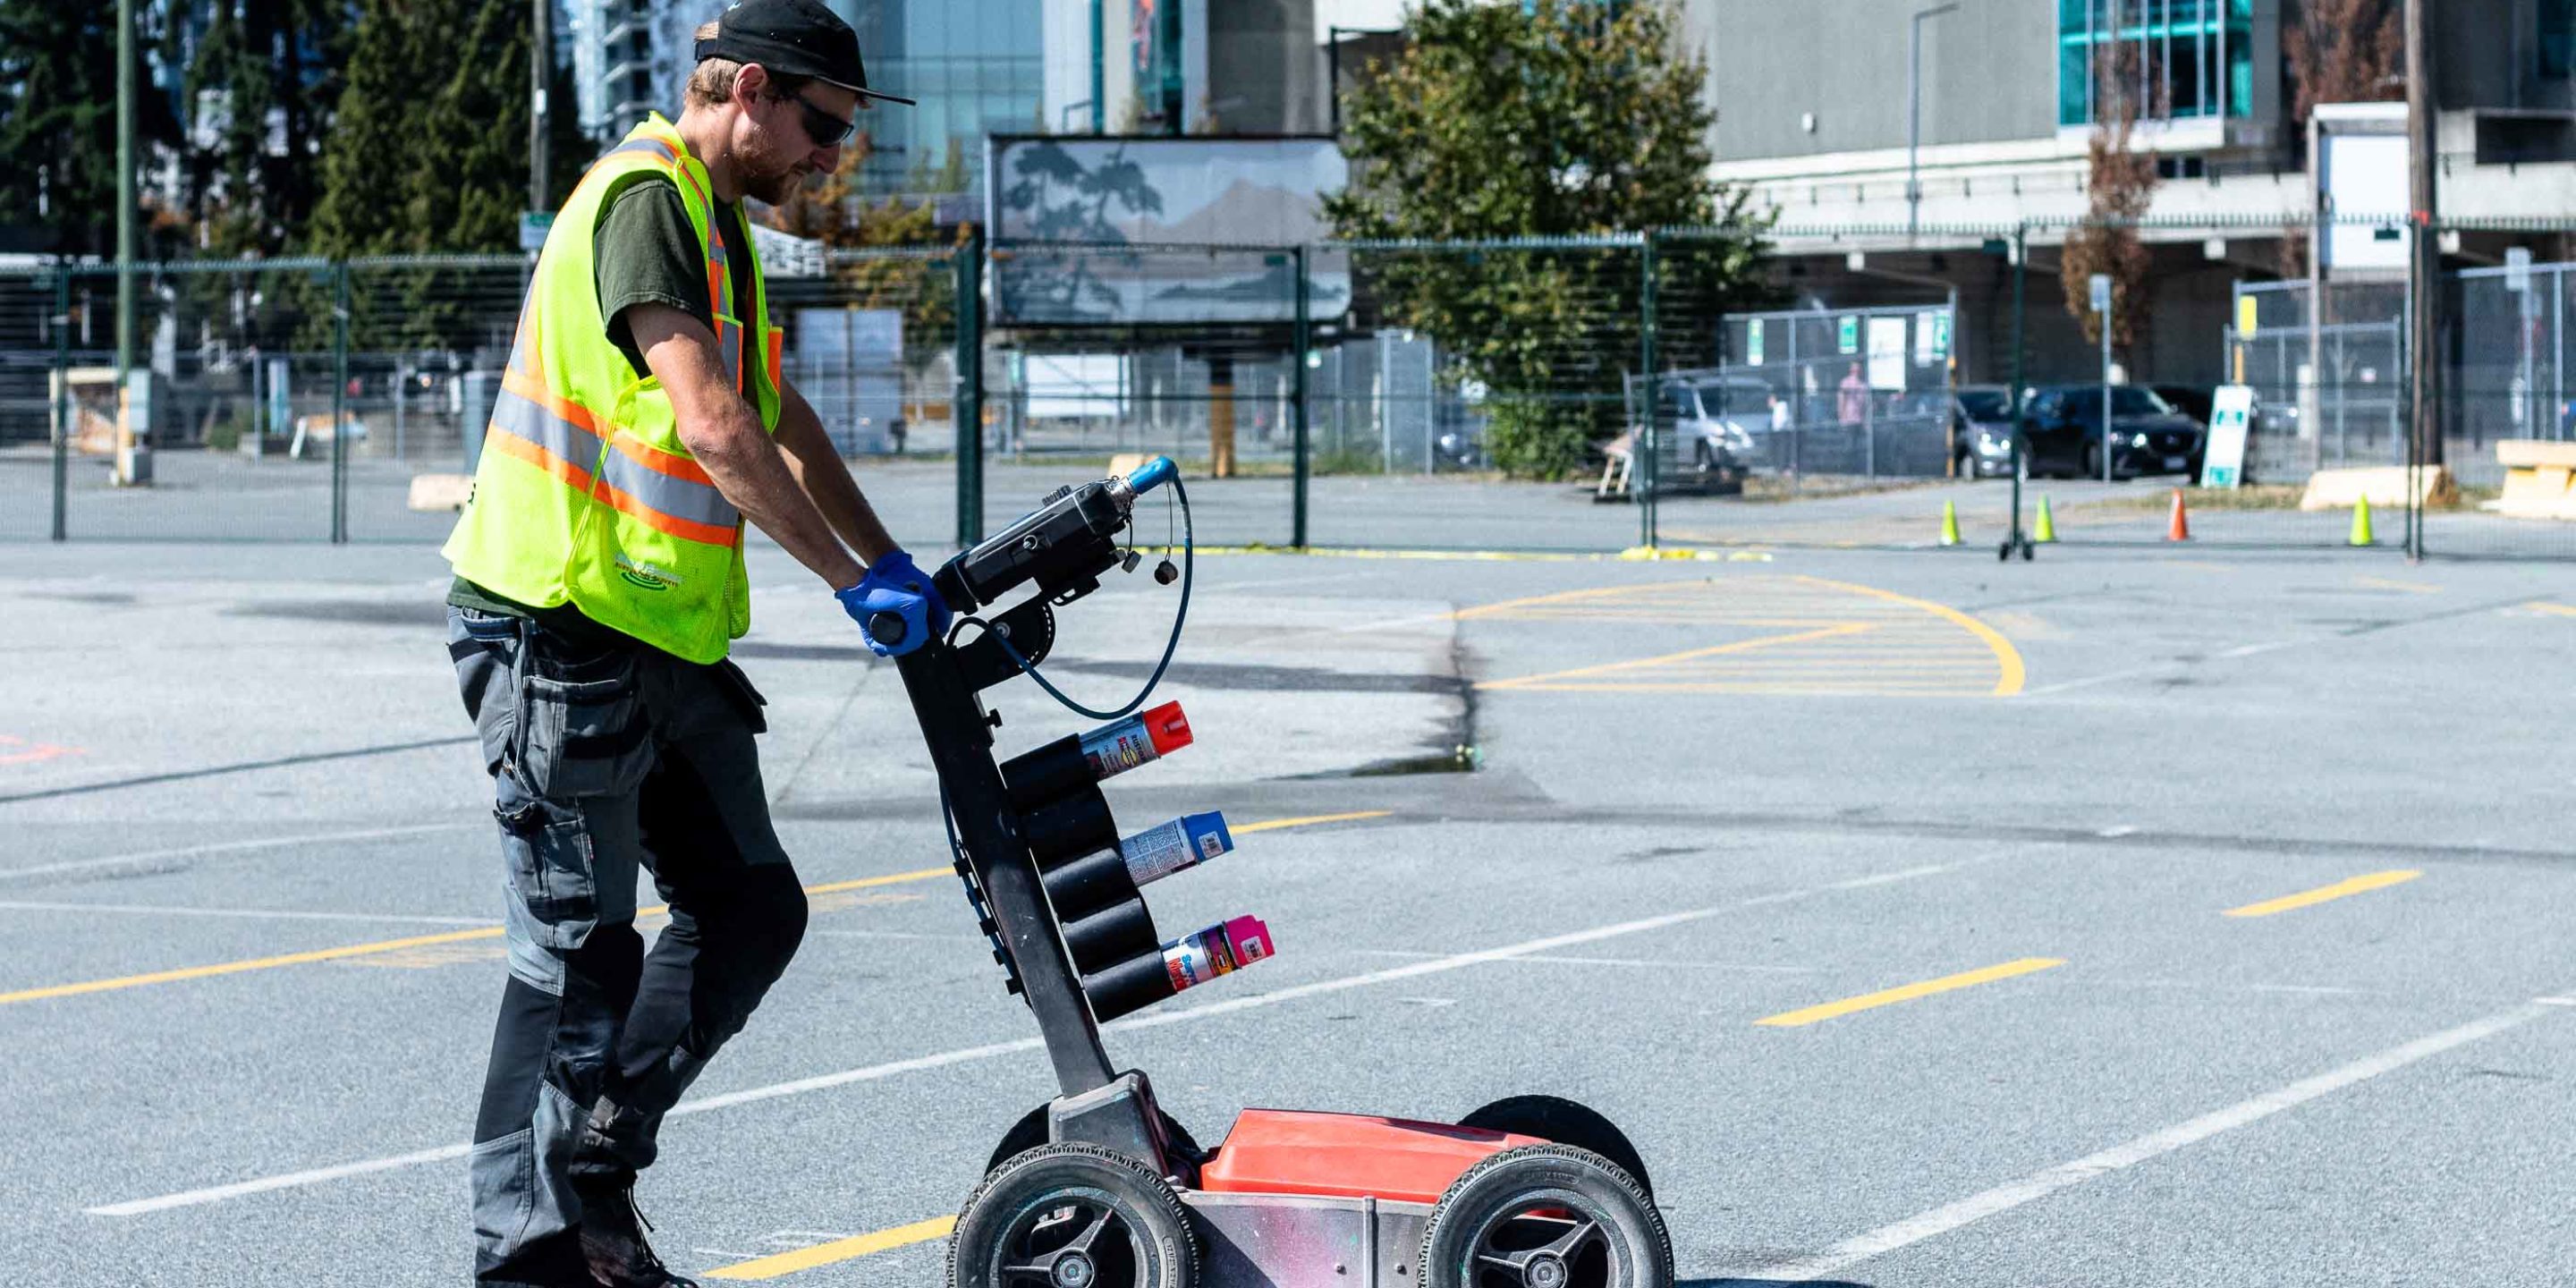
(1350, 395)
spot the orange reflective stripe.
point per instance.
(684, 529)
(659, 461)
(777, 354)
(527, 453)
(530, 388)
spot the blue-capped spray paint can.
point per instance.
(1175, 846)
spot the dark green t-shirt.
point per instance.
(643, 252)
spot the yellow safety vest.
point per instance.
(585, 494)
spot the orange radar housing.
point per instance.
(1287, 1151)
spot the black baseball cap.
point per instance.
(793, 38)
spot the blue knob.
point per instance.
(1152, 474)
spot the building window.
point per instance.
(2189, 58)
(2557, 44)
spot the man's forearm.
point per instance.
(826, 480)
(753, 474)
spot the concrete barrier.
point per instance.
(2539, 479)
(2385, 485)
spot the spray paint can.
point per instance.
(1175, 846)
(1113, 749)
(1074, 764)
(1220, 949)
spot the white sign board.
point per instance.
(2365, 175)
(2231, 411)
(1887, 353)
(533, 227)
(2100, 284)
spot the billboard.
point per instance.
(1170, 231)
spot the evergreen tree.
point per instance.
(255, 59)
(58, 120)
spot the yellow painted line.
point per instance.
(2561, 610)
(2411, 587)
(1561, 597)
(824, 1254)
(1909, 992)
(2305, 898)
(1739, 646)
(2014, 673)
(235, 968)
(1273, 825)
(494, 932)
(378, 946)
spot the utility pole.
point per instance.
(2424, 260)
(126, 471)
(541, 60)
(1914, 112)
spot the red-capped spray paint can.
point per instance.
(1075, 764)
(1113, 749)
(1221, 949)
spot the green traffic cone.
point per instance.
(2047, 528)
(1949, 523)
(2361, 521)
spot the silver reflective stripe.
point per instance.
(729, 338)
(523, 418)
(655, 147)
(679, 498)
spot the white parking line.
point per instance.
(232, 847)
(965, 1055)
(2038, 1185)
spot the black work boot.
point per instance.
(612, 1238)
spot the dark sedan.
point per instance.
(1981, 431)
(2062, 428)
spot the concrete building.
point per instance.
(1197, 66)
(1813, 116)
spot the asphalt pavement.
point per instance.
(2130, 916)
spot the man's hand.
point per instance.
(724, 433)
(895, 587)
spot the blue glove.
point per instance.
(895, 591)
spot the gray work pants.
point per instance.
(604, 761)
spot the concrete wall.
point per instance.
(1265, 68)
(1989, 73)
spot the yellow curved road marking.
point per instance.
(2014, 673)
(1740, 646)
(2305, 898)
(1909, 992)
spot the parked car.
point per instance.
(1714, 424)
(2062, 427)
(2191, 400)
(1981, 426)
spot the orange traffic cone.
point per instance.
(2178, 528)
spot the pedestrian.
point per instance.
(1852, 397)
(1779, 413)
(599, 583)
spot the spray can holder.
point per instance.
(1035, 844)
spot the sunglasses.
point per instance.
(825, 129)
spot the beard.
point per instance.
(767, 170)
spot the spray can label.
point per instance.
(1218, 950)
(1175, 846)
(1114, 749)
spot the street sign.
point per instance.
(1941, 334)
(1848, 339)
(1753, 343)
(2101, 292)
(533, 227)
(2231, 410)
(2517, 269)
(2249, 318)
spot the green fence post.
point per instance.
(62, 400)
(1645, 445)
(966, 407)
(1298, 340)
(340, 403)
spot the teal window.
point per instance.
(2557, 44)
(2181, 59)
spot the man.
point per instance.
(599, 581)
(1852, 397)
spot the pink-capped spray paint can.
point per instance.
(1218, 950)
